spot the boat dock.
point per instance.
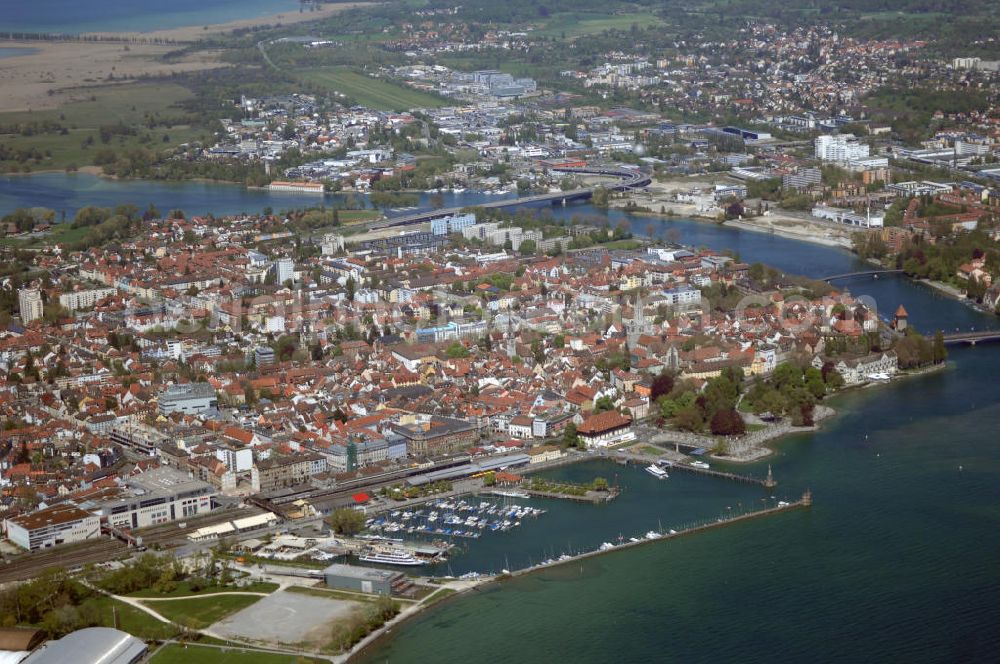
(766, 482)
(595, 497)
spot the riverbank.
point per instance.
(795, 229)
(783, 223)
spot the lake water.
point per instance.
(77, 16)
(897, 560)
(13, 52)
(571, 527)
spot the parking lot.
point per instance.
(287, 617)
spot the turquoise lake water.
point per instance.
(898, 560)
(77, 16)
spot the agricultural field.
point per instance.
(372, 92)
(569, 26)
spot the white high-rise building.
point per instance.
(30, 301)
(332, 243)
(840, 148)
(284, 269)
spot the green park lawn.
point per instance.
(130, 619)
(183, 589)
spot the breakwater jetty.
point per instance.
(653, 536)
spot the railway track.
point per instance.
(169, 532)
(29, 565)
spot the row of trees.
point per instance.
(59, 604)
(914, 350)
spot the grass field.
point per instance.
(176, 653)
(183, 589)
(200, 612)
(371, 92)
(578, 25)
(131, 619)
(132, 105)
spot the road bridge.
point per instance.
(861, 273)
(972, 337)
(628, 179)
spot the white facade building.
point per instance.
(59, 524)
(452, 224)
(849, 217)
(30, 301)
(840, 148)
(157, 496)
(84, 299)
(683, 294)
(284, 270)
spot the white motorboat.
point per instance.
(657, 472)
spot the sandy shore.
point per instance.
(793, 225)
(193, 33)
(948, 290)
(796, 229)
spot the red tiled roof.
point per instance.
(602, 422)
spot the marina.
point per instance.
(453, 518)
(545, 529)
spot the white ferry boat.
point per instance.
(391, 557)
(657, 472)
(511, 493)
